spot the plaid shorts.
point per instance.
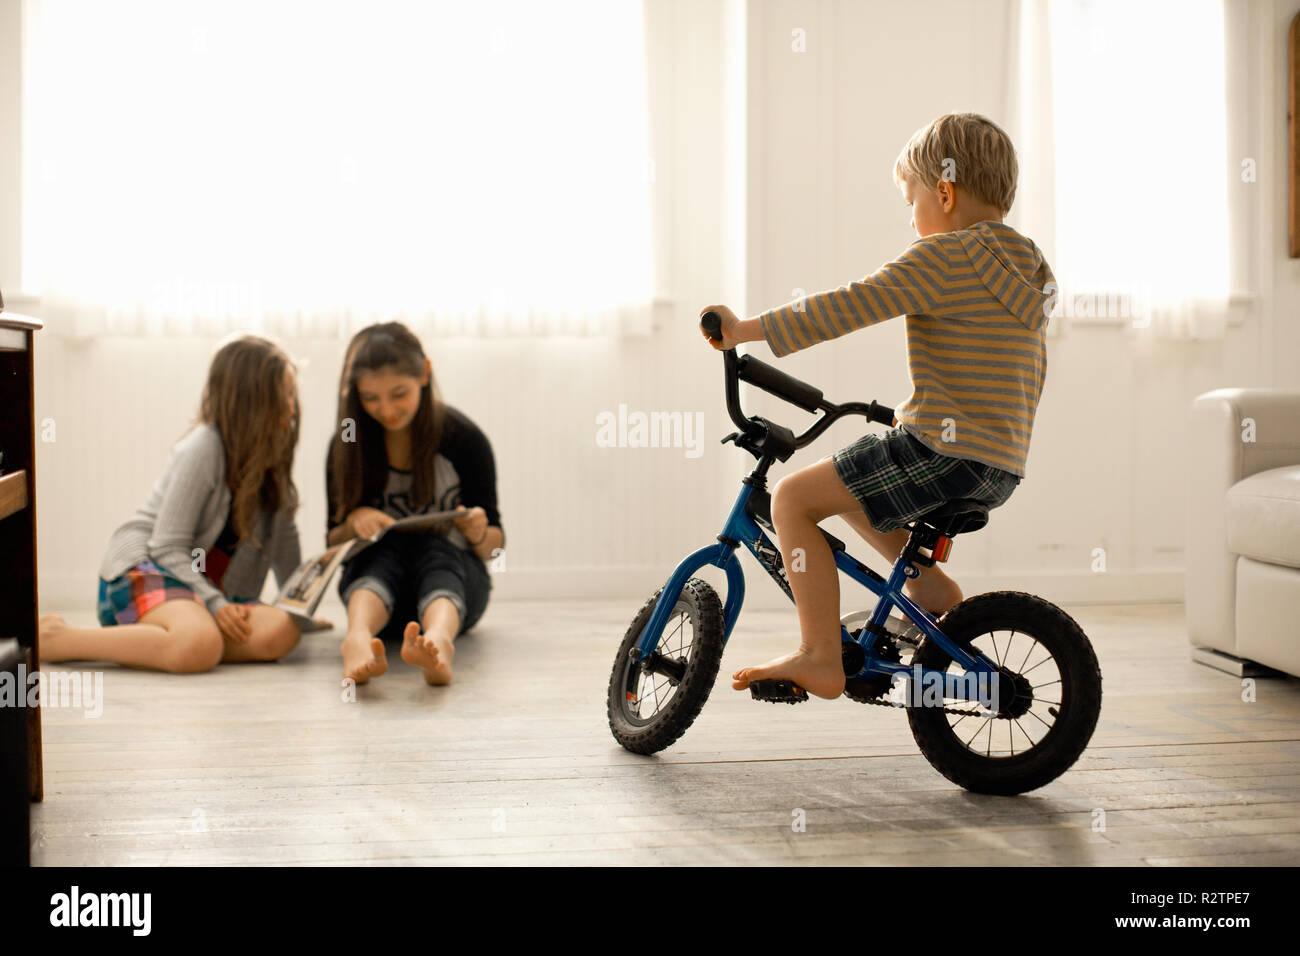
(897, 479)
(132, 595)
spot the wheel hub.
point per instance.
(1020, 698)
(656, 663)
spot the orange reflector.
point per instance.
(942, 549)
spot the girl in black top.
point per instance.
(399, 451)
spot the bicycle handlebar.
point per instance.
(772, 380)
(775, 382)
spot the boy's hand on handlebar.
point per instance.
(730, 328)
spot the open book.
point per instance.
(302, 593)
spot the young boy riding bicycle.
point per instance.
(976, 295)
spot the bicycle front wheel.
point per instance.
(650, 710)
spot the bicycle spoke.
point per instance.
(669, 637)
(976, 734)
(1039, 719)
(647, 695)
(680, 639)
(1032, 645)
(995, 646)
(1016, 721)
(666, 642)
(681, 651)
(666, 683)
(1038, 665)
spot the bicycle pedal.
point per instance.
(777, 691)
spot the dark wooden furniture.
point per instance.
(18, 614)
(15, 801)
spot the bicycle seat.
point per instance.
(958, 516)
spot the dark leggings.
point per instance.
(408, 571)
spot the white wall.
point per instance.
(1105, 465)
(819, 133)
(1280, 347)
(11, 155)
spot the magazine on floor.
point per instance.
(303, 592)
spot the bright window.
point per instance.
(305, 168)
(1141, 174)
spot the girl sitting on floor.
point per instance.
(400, 451)
(179, 584)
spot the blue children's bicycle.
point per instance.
(1002, 698)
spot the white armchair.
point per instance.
(1243, 529)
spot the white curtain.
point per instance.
(471, 168)
(1123, 116)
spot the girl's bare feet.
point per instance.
(820, 674)
(363, 657)
(51, 628)
(431, 652)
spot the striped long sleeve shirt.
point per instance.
(976, 302)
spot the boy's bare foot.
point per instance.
(51, 628)
(363, 660)
(819, 674)
(431, 652)
(934, 591)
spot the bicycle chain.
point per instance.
(905, 638)
(880, 702)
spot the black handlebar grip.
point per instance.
(881, 413)
(773, 380)
(711, 323)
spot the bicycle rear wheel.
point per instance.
(649, 711)
(1048, 700)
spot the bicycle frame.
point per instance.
(742, 528)
(769, 442)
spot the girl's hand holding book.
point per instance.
(472, 524)
(368, 521)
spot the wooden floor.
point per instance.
(514, 764)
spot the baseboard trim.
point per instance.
(634, 584)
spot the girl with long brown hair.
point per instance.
(400, 451)
(180, 580)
